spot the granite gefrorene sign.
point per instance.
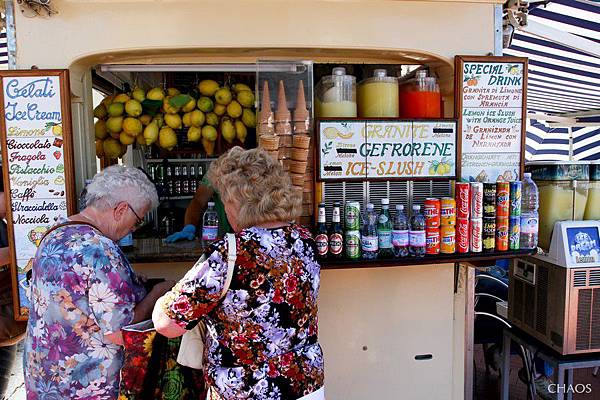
(34, 156)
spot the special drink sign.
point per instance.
(37, 159)
(490, 103)
(386, 149)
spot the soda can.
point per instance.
(431, 210)
(476, 235)
(476, 200)
(462, 196)
(448, 239)
(352, 216)
(448, 211)
(432, 240)
(502, 199)
(352, 244)
(462, 235)
(489, 200)
(514, 232)
(515, 199)
(489, 234)
(501, 233)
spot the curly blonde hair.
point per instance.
(258, 184)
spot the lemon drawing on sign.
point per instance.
(442, 167)
(513, 69)
(56, 128)
(332, 133)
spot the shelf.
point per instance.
(179, 160)
(473, 258)
(176, 198)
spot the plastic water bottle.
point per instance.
(210, 225)
(529, 213)
(369, 241)
(416, 235)
(400, 233)
(384, 230)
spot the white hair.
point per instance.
(118, 183)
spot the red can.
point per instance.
(447, 239)
(501, 233)
(476, 200)
(463, 235)
(432, 237)
(502, 199)
(476, 235)
(463, 201)
(431, 210)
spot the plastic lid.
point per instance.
(338, 71)
(385, 201)
(421, 74)
(211, 203)
(336, 203)
(321, 204)
(416, 207)
(399, 207)
(380, 75)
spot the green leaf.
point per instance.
(180, 100)
(151, 107)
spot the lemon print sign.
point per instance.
(36, 143)
(386, 149)
(492, 97)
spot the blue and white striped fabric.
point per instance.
(561, 80)
(3, 51)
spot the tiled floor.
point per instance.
(16, 389)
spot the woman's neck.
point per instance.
(92, 216)
(271, 225)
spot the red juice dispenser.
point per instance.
(420, 97)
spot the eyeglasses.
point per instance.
(140, 221)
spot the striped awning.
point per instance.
(550, 143)
(3, 50)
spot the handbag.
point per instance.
(192, 342)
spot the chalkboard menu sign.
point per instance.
(386, 149)
(490, 98)
(37, 160)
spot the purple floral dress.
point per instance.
(82, 289)
(262, 337)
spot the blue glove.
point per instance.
(187, 233)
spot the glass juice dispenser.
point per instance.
(378, 96)
(336, 95)
(420, 97)
(563, 188)
(592, 206)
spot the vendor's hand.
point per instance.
(187, 233)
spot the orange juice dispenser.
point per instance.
(335, 95)
(420, 97)
(592, 206)
(378, 96)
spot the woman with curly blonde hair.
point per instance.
(261, 340)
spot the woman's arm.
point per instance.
(163, 324)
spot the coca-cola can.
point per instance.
(432, 239)
(476, 200)
(476, 235)
(501, 233)
(489, 200)
(463, 201)
(431, 210)
(463, 235)
(448, 211)
(502, 199)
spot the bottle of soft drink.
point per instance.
(369, 240)
(400, 233)
(529, 213)
(416, 235)
(322, 234)
(210, 224)
(336, 234)
(384, 230)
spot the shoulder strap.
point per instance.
(55, 227)
(231, 257)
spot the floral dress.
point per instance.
(261, 340)
(82, 289)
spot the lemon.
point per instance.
(209, 147)
(441, 169)
(145, 119)
(228, 130)
(208, 87)
(114, 124)
(107, 101)
(138, 94)
(447, 168)
(173, 121)
(115, 135)
(121, 98)
(167, 139)
(159, 119)
(223, 96)
(116, 109)
(126, 139)
(220, 109)
(330, 132)
(99, 148)
(132, 127)
(234, 109)
(212, 119)
(205, 104)
(112, 148)
(139, 139)
(240, 131)
(173, 92)
(187, 119)
(197, 118)
(168, 108)
(249, 118)
(209, 133)
(151, 133)
(189, 106)
(194, 134)
(240, 87)
(432, 170)
(245, 98)
(133, 108)
(100, 131)
(100, 111)
(57, 130)
(155, 94)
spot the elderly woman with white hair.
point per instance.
(83, 291)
